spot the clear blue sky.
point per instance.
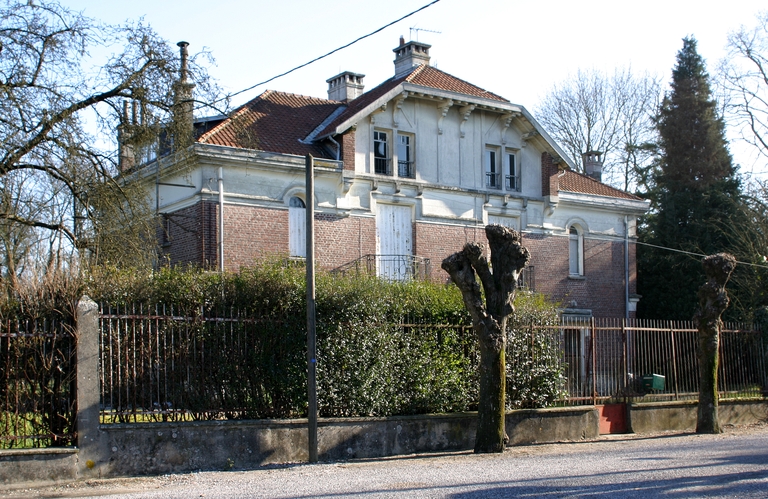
(516, 49)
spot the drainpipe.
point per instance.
(221, 219)
(626, 266)
(338, 147)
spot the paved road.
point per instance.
(734, 464)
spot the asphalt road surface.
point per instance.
(674, 465)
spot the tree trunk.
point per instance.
(713, 300)
(489, 321)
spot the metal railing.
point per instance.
(37, 383)
(382, 166)
(513, 182)
(493, 180)
(159, 365)
(608, 358)
(393, 267)
(405, 169)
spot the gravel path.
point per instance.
(675, 465)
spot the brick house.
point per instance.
(405, 174)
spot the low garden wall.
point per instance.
(649, 417)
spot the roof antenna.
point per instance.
(422, 29)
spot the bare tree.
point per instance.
(489, 320)
(713, 300)
(60, 108)
(744, 76)
(611, 114)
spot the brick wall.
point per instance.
(340, 240)
(347, 143)
(188, 236)
(436, 242)
(602, 287)
(252, 233)
(548, 180)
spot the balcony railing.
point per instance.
(405, 169)
(392, 267)
(513, 183)
(493, 180)
(382, 166)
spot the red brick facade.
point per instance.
(252, 233)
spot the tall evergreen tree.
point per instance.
(695, 195)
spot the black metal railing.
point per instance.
(493, 180)
(393, 267)
(513, 183)
(405, 169)
(382, 166)
(37, 383)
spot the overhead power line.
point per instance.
(329, 53)
(697, 254)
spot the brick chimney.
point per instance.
(128, 122)
(345, 87)
(593, 164)
(182, 103)
(409, 55)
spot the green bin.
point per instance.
(653, 382)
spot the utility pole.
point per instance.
(311, 332)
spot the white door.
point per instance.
(297, 228)
(394, 233)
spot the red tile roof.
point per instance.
(571, 181)
(428, 76)
(423, 75)
(274, 122)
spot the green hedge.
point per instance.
(384, 348)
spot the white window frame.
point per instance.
(575, 251)
(492, 167)
(406, 166)
(378, 159)
(297, 227)
(512, 168)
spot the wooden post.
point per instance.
(311, 332)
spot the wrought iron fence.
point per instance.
(37, 383)
(161, 365)
(616, 359)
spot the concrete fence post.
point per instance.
(92, 456)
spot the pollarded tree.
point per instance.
(489, 320)
(713, 300)
(695, 190)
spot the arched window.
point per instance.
(575, 251)
(297, 227)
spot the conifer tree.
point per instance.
(695, 196)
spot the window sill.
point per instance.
(576, 277)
